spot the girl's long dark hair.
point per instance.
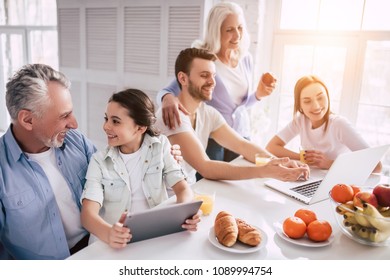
(139, 106)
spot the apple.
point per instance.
(382, 193)
(355, 189)
(364, 197)
(268, 79)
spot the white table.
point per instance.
(258, 205)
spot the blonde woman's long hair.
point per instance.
(212, 38)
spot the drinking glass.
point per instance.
(208, 198)
(302, 152)
(260, 160)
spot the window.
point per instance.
(28, 34)
(347, 44)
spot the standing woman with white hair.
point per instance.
(227, 37)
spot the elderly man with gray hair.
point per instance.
(43, 161)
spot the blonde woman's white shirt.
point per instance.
(233, 80)
(109, 184)
(208, 120)
(340, 136)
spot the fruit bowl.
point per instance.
(367, 225)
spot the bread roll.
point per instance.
(226, 229)
(248, 234)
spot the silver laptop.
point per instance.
(160, 221)
(348, 168)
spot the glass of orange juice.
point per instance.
(207, 197)
(302, 152)
(261, 160)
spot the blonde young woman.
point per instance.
(326, 133)
(227, 37)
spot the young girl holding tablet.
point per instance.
(135, 172)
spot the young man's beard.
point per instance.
(196, 92)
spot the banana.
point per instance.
(378, 236)
(356, 228)
(363, 232)
(345, 207)
(375, 218)
(349, 219)
(360, 218)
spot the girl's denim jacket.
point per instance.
(108, 180)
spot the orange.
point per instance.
(355, 189)
(306, 215)
(294, 227)
(342, 193)
(319, 230)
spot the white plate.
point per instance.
(239, 248)
(304, 241)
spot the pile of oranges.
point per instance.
(343, 193)
(304, 222)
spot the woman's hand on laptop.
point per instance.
(192, 224)
(305, 173)
(285, 169)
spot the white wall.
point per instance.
(105, 46)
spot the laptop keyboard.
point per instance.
(307, 190)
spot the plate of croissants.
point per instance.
(236, 235)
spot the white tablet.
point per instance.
(162, 221)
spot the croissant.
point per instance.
(226, 229)
(248, 234)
